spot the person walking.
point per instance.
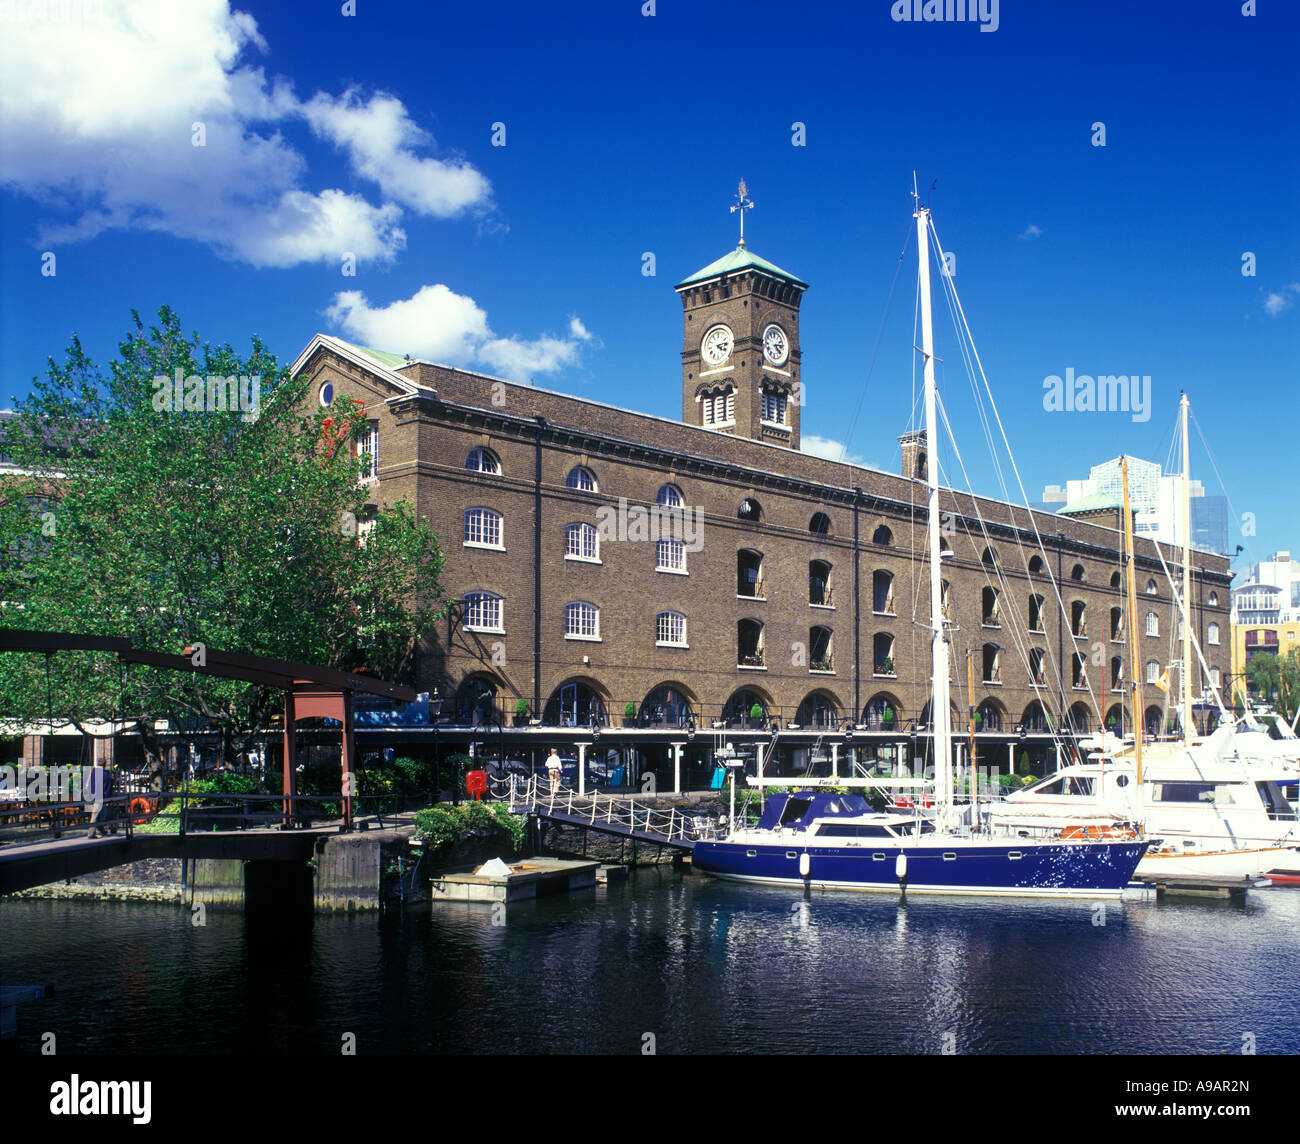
(554, 768)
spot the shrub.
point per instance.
(756, 712)
(521, 707)
(629, 709)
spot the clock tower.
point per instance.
(741, 371)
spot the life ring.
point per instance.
(140, 806)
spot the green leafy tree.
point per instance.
(1277, 681)
(235, 529)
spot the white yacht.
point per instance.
(1209, 810)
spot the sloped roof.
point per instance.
(742, 258)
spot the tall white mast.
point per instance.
(938, 636)
(1185, 675)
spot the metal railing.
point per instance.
(544, 797)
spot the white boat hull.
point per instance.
(1214, 863)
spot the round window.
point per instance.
(1121, 780)
(327, 393)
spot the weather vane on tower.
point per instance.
(742, 204)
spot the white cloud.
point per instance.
(440, 325)
(1031, 231)
(831, 449)
(1279, 301)
(98, 120)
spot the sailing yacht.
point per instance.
(814, 838)
(1210, 807)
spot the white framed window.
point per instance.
(483, 528)
(581, 621)
(670, 496)
(1214, 599)
(1153, 671)
(1151, 585)
(670, 555)
(365, 529)
(1214, 676)
(670, 629)
(483, 612)
(581, 478)
(368, 451)
(774, 408)
(483, 461)
(1153, 624)
(581, 542)
(1212, 634)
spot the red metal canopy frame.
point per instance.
(310, 692)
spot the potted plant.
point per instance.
(979, 719)
(521, 712)
(629, 714)
(756, 715)
(887, 715)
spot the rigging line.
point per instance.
(1033, 522)
(1012, 623)
(1196, 643)
(875, 350)
(1213, 464)
(951, 295)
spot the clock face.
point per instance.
(716, 347)
(775, 346)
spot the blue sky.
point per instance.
(373, 134)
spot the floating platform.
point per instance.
(531, 878)
(1206, 887)
(607, 874)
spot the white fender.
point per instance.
(900, 867)
(805, 864)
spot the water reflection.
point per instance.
(705, 966)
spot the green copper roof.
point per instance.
(392, 361)
(742, 258)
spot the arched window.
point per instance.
(1212, 634)
(1116, 624)
(670, 629)
(749, 643)
(989, 557)
(1116, 673)
(483, 528)
(819, 650)
(992, 669)
(581, 542)
(882, 536)
(1153, 671)
(1036, 614)
(670, 555)
(749, 574)
(1035, 563)
(1214, 599)
(883, 654)
(1078, 672)
(1077, 572)
(1153, 624)
(882, 592)
(819, 584)
(483, 612)
(1114, 579)
(670, 496)
(483, 461)
(1151, 588)
(1037, 676)
(820, 525)
(581, 621)
(718, 407)
(750, 510)
(988, 717)
(1079, 619)
(581, 478)
(992, 615)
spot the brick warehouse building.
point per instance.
(792, 583)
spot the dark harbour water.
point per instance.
(704, 966)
